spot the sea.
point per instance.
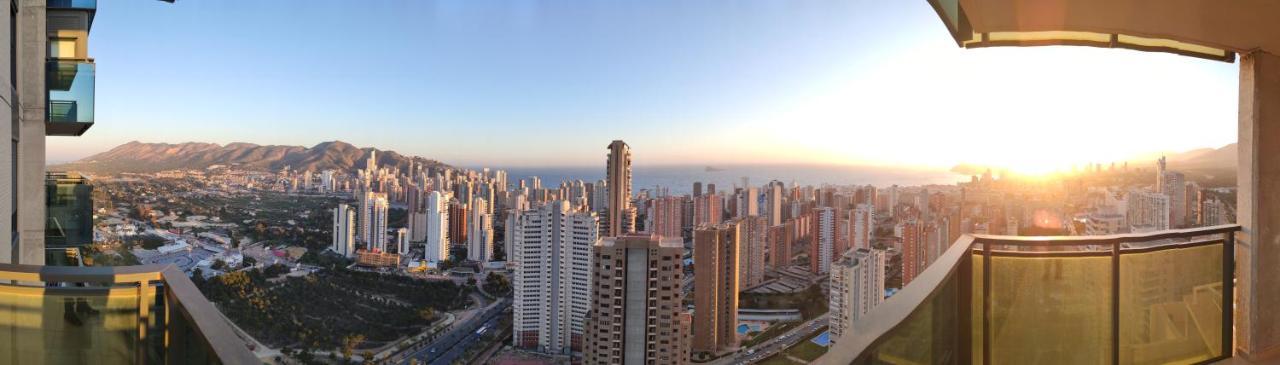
(680, 179)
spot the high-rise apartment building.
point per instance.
(748, 202)
(480, 235)
(857, 285)
(1175, 187)
(437, 226)
(373, 221)
(773, 202)
(636, 316)
(779, 240)
(862, 223)
(344, 231)
(402, 241)
(708, 210)
(553, 252)
(458, 223)
(666, 216)
(826, 242)
(752, 250)
(1147, 211)
(618, 172)
(914, 252)
(715, 298)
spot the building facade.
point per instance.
(636, 315)
(715, 297)
(618, 172)
(552, 251)
(344, 231)
(857, 286)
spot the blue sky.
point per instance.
(531, 83)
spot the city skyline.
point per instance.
(548, 76)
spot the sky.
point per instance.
(551, 83)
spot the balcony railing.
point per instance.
(149, 314)
(70, 84)
(1153, 298)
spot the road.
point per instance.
(775, 345)
(450, 346)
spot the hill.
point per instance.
(150, 157)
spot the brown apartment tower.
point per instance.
(715, 298)
(636, 316)
(619, 218)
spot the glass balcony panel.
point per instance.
(69, 210)
(927, 336)
(1050, 310)
(73, 4)
(1171, 305)
(68, 326)
(70, 84)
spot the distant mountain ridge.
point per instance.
(151, 157)
(1216, 159)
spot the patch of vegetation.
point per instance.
(807, 350)
(811, 302)
(329, 309)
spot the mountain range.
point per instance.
(1205, 160)
(151, 157)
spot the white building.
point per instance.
(827, 222)
(402, 241)
(1147, 211)
(373, 221)
(437, 241)
(344, 231)
(553, 250)
(480, 232)
(857, 286)
(862, 226)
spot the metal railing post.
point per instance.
(1228, 293)
(986, 303)
(1115, 303)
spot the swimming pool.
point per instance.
(823, 340)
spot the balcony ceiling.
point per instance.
(1193, 27)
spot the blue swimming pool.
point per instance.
(743, 328)
(823, 340)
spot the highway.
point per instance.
(774, 345)
(450, 346)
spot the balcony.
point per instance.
(1154, 298)
(70, 86)
(69, 210)
(90, 7)
(149, 314)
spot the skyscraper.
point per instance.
(666, 216)
(749, 202)
(914, 252)
(344, 231)
(636, 316)
(1147, 211)
(752, 245)
(773, 202)
(437, 227)
(1175, 187)
(707, 210)
(857, 285)
(715, 267)
(373, 221)
(862, 225)
(618, 173)
(402, 241)
(553, 251)
(480, 237)
(825, 240)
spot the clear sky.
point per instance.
(550, 83)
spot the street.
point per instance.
(774, 345)
(450, 346)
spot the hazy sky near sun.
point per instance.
(532, 83)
